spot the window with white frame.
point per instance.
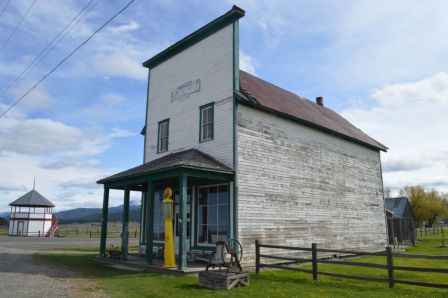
(162, 140)
(213, 210)
(206, 122)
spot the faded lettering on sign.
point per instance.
(186, 89)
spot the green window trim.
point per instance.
(210, 124)
(161, 138)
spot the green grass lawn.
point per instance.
(272, 283)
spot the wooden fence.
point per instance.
(95, 234)
(388, 254)
(434, 230)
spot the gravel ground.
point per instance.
(30, 245)
(23, 275)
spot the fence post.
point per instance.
(443, 238)
(390, 267)
(314, 260)
(257, 256)
(90, 234)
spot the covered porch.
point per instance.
(204, 204)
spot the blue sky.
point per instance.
(381, 64)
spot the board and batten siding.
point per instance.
(211, 61)
(298, 185)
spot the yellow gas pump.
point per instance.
(168, 210)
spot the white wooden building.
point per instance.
(249, 160)
(32, 215)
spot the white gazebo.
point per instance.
(32, 215)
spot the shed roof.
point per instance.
(396, 205)
(259, 93)
(32, 199)
(191, 158)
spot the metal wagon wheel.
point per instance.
(233, 253)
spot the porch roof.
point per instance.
(191, 159)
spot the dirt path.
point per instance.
(28, 276)
(25, 275)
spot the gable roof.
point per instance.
(259, 93)
(32, 199)
(191, 158)
(396, 205)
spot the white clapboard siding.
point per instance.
(211, 61)
(298, 185)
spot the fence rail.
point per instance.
(390, 267)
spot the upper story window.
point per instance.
(162, 140)
(206, 122)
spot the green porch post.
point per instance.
(104, 221)
(125, 230)
(149, 235)
(182, 263)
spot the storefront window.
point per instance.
(213, 214)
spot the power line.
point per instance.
(4, 8)
(17, 26)
(66, 58)
(45, 51)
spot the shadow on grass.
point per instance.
(190, 287)
(85, 265)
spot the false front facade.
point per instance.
(247, 160)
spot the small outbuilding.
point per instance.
(400, 220)
(32, 215)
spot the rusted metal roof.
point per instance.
(191, 158)
(259, 93)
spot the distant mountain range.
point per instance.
(84, 215)
(87, 215)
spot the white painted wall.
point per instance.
(40, 223)
(211, 61)
(298, 185)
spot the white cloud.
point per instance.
(121, 133)
(121, 65)
(131, 26)
(411, 119)
(69, 163)
(248, 63)
(19, 169)
(81, 183)
(6, 186)
(60, 155)
(433, 89)
(34, 136)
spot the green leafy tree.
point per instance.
(428, 206)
